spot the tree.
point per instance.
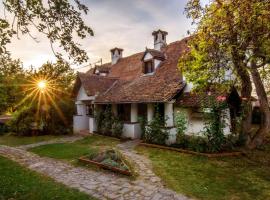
(59, 20)
(51, 106)
(11, 79)
(232, 36)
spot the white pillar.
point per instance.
(114, 109)
(168, 112)
(150, 112)
(81, 108)
(227, 121)
(134, 112)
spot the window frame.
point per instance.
(145, 67)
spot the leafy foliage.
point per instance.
(215, 124)
(155, 132)
(52, 111)
(23, 121)
(230, 45)
(181, 126)
(117, 127)
(107, 123)
(143, 124)
(12, 76)
(58, 20)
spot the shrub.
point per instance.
(143, 123)
(117, 127)
(3, 129)
(214, 124)
(155, 132)
(107, 123)
(23, 120)
(181, 127)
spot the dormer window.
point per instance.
(149, 67)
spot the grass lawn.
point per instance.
(18, 183)
(223, 178)
(11, 140)
(72, 151)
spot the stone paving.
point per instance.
(99, 184)
(65, 139)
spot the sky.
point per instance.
(127, 24)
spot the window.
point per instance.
(148, 67)
(197, 113)
(90, 110)
(142, 110)
(124, 112)
(163, 37)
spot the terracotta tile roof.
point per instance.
(126, 83)
(195, 99)
(128, 68)
(155, 53)
(93, 84)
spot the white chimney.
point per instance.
(116, 54)
(159, 39)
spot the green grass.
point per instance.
(72, 151)
(18, 183)
(211, 179)
(11, 140)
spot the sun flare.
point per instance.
(42, 85)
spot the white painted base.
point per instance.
(172, 136)
(80, 123)
(92, 125)
(132, 131)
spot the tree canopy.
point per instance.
(231, 45)
(59, 20)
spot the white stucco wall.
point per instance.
(92, 125)
(80, 123)
(82, 96)
(132, 131)
(168, 112)
(147, 56)
(196, 125)
(172, 136)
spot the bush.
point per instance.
(155, 132)
(108, 124)
(3, 129)
(143, 124)
(181, 127)
(117, 127)
(23, 121)
(214, 124)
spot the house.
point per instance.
(137, 85)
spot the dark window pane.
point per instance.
(124, 112)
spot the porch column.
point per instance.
(150, 112)
(114, 109)
(168, 112)
(134, 112)
(81, 108)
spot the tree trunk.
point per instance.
(246, 89)
(258, 138)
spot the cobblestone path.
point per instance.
(53, 141)
(99, 184)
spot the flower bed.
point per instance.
(209, 155)
(109, 159)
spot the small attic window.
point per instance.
(156, 37)
(149, 67)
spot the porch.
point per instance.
(128, 113)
